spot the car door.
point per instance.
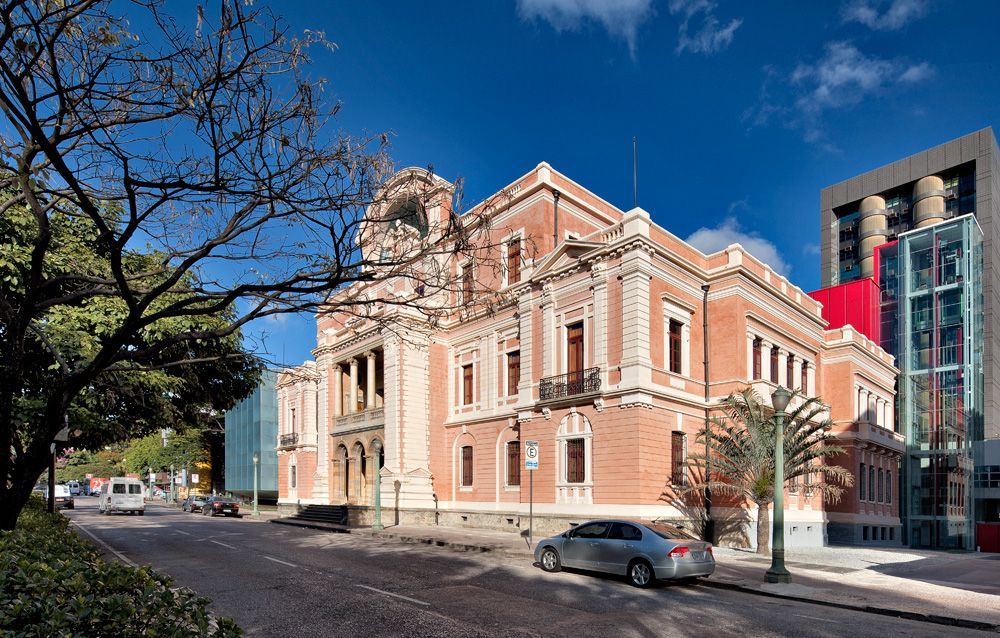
(583, 546)
(620, 547)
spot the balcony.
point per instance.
(569, 385)
(359, 420)
(288, 440)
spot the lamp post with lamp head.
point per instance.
(256, 461)
(777, 572)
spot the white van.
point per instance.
(74, 487)
(123, 495)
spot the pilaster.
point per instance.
(636, 364)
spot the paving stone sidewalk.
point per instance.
(897, 582)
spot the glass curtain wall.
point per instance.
(252, 427)
(938, 303)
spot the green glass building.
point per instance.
(252, 427)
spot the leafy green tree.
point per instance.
(149, 452)
(742, 454)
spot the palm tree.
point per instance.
(742, 454)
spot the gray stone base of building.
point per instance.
(887, 535)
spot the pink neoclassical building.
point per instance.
(595, 349)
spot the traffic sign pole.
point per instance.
(531, 464)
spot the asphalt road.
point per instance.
(277, 580)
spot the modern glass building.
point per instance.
(932, 321)
(252, 427)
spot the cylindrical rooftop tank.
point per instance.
(872, 229)
(928, 201)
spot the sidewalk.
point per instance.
(961, 589)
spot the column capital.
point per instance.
(370, 354)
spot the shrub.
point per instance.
(53, 583)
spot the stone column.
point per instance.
(751, 337)
(636, 364)
(524, 387)
(599, 279)
(811, 381)
(370, 381)
(797, 374)
(765, 360)
(782, 366)
(338, 391)
(548, 332)
(352, 406)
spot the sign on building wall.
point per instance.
(531, 455)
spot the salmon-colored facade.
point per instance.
(594, 350)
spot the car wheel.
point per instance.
(142, 512)
(640, 573)
(550, 560)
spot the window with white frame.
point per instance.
(513, 259)
(574, 459)
(677, 339)
(467, 392)
(468, 282)
(513, 456)
(513, 371)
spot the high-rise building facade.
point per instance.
(922, 230)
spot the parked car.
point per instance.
(642, 552)
(74, 487)
(194, 503)
(122, 494)
(63, 499)
(220, 505)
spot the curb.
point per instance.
(950, 621)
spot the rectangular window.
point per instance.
(888, 488)
(790, 372)
(574, 351)
(675, 346)
(576, 471)
(514, 261)
(861, 483)
(468, 283)
(864, 533)
(805, 377)
(467, 384)
(881, 485)
(135, 489)
(513, 463)
(871, 483)
(678, 457)
(513, 372)
(467, 466)
(756, 358)
(774, 364)
(118, 488)
(292, 476)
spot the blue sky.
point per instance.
(743, 111)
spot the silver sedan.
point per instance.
(642, 552)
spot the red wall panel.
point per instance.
(854, 303)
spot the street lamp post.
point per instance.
(256, 461)
(376, 451)
(778, 573)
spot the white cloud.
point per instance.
(710, 37)
(899, 13)
(811, 250)
(841, 78)
(621, 18)
(710, 240)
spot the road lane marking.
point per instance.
(180, 531)
(278, 560)
(122, 557)
(223, 544)
(389, 593)
(820, 619)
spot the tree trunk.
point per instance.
(763, 529)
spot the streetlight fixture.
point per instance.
(256, 461)
(376, 453)
(778, 573)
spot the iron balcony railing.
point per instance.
(289, 439)
(567, 385)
